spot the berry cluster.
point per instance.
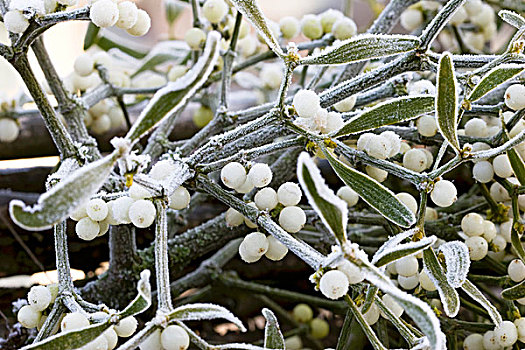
(172, 337)
(335, 283)
(123, 14)
(502, 337)
(318, 327)
(313, 117)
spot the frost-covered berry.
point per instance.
(408, 282)
(408, 200)
(476, 127)
(97, 209)
(84, 65)
(472, 224)
(489, 230)
(276, 250)
(28, 316)
(174, 337)
(477, 247)
(506, 334)
(346, 105)
(483, 171)
(516, 270)
(473, 342)
(72, 321)
(256, 244)
(266, 199)
(392, 305)
(319, 328)
(39, 297)
(306, 103)
(344, 28)
(425, 282)
(415, 160)
(289, 194)
(490, 341)
(9, 130)
(427, 126)
(142, 25)
(152, 342)
(502, 167)
(334, 122)
(126, 327)
(444, 193)
(121, 209)
(302, 313)
(515, 97)
(348, 195)
(162, 169)
(180, 198)
(271, 76)
(378, 147)
(289, 27)
(407, 266)
(292, 219)
(395, 142)
(104, 13)
(87, 229)
(233, 175)
(214, 10)
(260, 175)
(128, 14)
(364, 140)
(334, 284)
(142, 213)
(372, 315)
(233, 218)
(15, 21)
(328, 18)
(311, 26)
(352, 272)
(411, 19)
(79, 213)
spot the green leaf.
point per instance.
(91, 35)
(332, 210)
(517, 165)
(273, 338)
(202, 311)
(448, 295)
(447, 101)
(174, 95)
(142, 301)
(363, 47)
(401, 326)
(370, 297)
(372, 192)
(173, 9)
(106, 44)
(390, 112)
(163, 52)
(457, 261)
(512, 18)
(419, 311)
(367, 330)
(515, 292)
(402, 250)
(473, 291)
(493, 79)
(56, 204)
(251, 10)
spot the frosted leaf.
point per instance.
(67, 166)
(174, 95)
(202, 311)
(143, 299)
(457, 260)
(273, 338)
(169, 50)
(447, 101)
(61, 200)
(393, 241)
(177, 177)
(512, 18)
(401, 250)
(469, 288)
(363, 47)
(448, 295)
(493, 79)
(332, 210)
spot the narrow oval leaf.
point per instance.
(142, 301)
(493, 79)
(372, 192)
(367, 329)
(91, 35)
(332, 210)
(473, 291)
(418, 310)
(364, 47)
(370, 297)
(165, 51)
(512, 18)
(250, 9)
(447, 101)
(448, 295)
(393, 242)
(273, 338)
(515, 292)
(390, 112)
(174, 95)
(517, 165)
(56, 204)
(204, 311)
(457, 260)
(402, 250)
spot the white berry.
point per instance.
(411, 19)
(348, 195)
(333, 284)
(328, 18)
(174, 337)
(408, 282)
(162, 169)
(87, 229)
(502, 167)
(311, 26)
(195, 37)
(28, 316)
(104, 13)
(180, 198)
(392, 305)
(415, 160)
(490, 341)
(256, 243)
(306, 103)
(266, 199)
(292, 219)
(425, 282)
(516, 270)
(260, 175)
(15, 21)
(9, 130)
(506, 334)
(271, 76)
(444, 193)
(73, 321)
(472, 224)
(97, 209)
(515, 97)
(346, 105)
(289, 194)
(378, 147)
(289, 27)
(152, 342)
(142, 213)
(39, 297)
(477, 247)
(84, 65)
(128, 14)
(352, 272)
(214, 10)
(427, 126)
(233, 175)
(344, 28)
(276, 250)
(483, 171)
(408, 200)
(476, 127)
(473, 342)
(233, 218)
(120, 209)
(407, 266)
(142, 25)
(244, 252)
(111, 337)
(126, 327)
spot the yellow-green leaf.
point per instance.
(493, 79)
(447, 101)
(273, 338)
